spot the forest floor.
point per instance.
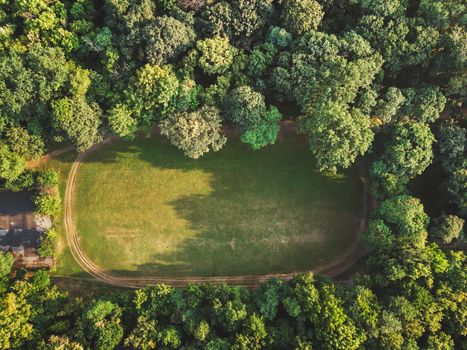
(237, 216)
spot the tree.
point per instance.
(246, 108)
(101, 325)
(260, 59)
(217, 20)
(152, 93)
(324, 68)
(380, 7)
(44, 22)
(216, 55)
(15, 314)
(195, 133)
(79, 120)
(408, 150)
(390, 104)
(249, 17)
(11, 164)
(423, 104)
(278, 37)
(48, 179)
(336, 136)
(144, 336)
(300, 16)
(457, 188)
(322, 310)
(440, 341)
(398, 234)
(254, 335)
(61, 343)
(24, 144)
(447, 228)
(266, 132)
(121, 121)
(452, 141)
(166, 39)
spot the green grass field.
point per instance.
(142, 208)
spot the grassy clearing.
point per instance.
(145, 209)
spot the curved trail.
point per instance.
(332, 269)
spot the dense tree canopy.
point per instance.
(381, 80)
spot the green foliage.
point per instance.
(260, 59)
(195, 133)
(11, 164)
(6, 263)
(408, 150)
(216, 55)
(345, 66)
(48, 203)
(217, 18)
(79, 120)
(43, 21)
(452, 142)
(48, 179)
(24, 144)
(424, 104)
(246, 108)
(380, 7)
(279, 37)
(336, 135)
(447, 228)
(264, 133)
(152, 93)
(24, 182)
(398, 234)
(14, 320)
(101, 325)
(390, 104)
(166, 39)
(301, 16)
(48, 244)
(121, 121)
(457, 188)
(322, 67)
(249, 17)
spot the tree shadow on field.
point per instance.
(267, 211)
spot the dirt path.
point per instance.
(46, 157)
(334, 268)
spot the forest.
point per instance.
(379, 80)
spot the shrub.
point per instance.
(48, 244)
(25, 181)
(48, 203)
(48, 179)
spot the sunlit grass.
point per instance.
(143, 208)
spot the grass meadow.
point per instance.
(143, 208)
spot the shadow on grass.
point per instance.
(268, 211)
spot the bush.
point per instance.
(48, 203)
(48, 179)
(25, 181)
